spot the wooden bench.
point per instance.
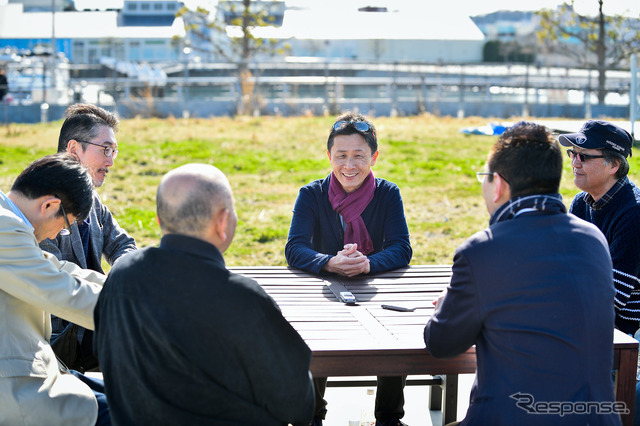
(435, 383)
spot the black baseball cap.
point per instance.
(598, 134)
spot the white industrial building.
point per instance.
(379, 34)
(147, 31)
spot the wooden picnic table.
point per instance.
(367, 340)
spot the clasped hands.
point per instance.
(348, 262)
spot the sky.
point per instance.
(479, 7)
(471, 7)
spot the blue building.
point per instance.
(142, 31)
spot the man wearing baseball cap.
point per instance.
(610, 201)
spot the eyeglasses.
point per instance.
(480, 176)
(108, 151)
(67, 230)
(582, 157)
(360, 126)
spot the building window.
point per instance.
(157, 6)
(145, 6)
(132, 6)
(134, 51)
(119, 51)
(93, 56)
(77, 51)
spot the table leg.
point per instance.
(435, 395)
(450, 408)
(626, 382)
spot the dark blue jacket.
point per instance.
(535, 295)
(316, 233)
(617, 215)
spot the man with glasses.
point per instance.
(34, 388)
(352, 223)
(88, 133)
(610, 201)
(534, 293)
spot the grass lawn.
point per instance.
(268, 159)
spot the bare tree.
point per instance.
(228, 34)
(605, 41)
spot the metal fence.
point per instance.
(204, 90)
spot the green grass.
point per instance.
(267, 160)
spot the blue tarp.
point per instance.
(491, 129)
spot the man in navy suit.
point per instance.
(534, 292)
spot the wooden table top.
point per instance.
(325, 323)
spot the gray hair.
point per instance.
(611, 157)
(82, 123)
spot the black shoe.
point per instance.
(317, 421)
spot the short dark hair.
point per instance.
(349, 129)
(612, 157)
(61, 175)
(528, 158)
(82, 123)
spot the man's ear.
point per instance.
(329, 154)
(73, 146)
(49, 204)
(614, 166)
(501, 189)
(374, 157)
(221, 219)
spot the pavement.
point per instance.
(346, 405)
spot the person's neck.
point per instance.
(600, 192)
(19, 200)
(30, 208)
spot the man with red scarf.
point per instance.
(352, 223)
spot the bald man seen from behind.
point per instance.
(181, 339)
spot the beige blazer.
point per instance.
(34, 388)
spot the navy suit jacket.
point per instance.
(535, 295)
(316, 232)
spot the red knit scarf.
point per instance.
(350, 206)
